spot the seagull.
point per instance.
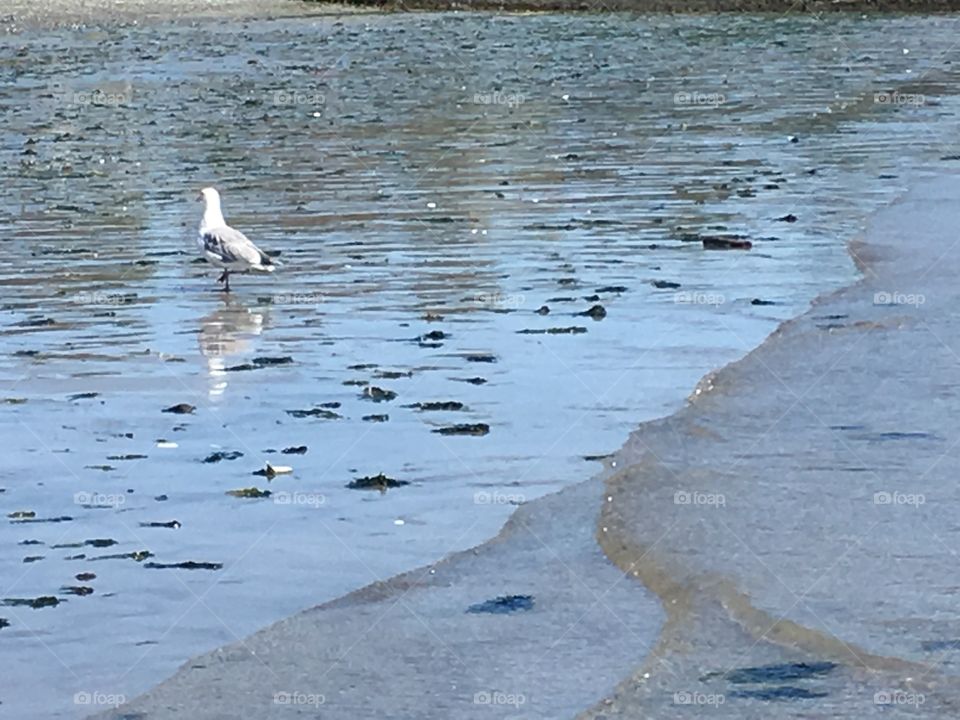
(225, 247)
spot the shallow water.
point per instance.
(416, 174)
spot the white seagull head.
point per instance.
(210, 196)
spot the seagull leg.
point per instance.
(226, 281)
(223, 276)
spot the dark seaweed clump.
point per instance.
(376, 482)
(35, 603)
(187, 565)
(219, 455)
(503, 605)
(477, 429)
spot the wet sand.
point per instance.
(802, 509)
(795, 520)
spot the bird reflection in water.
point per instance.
(227, 334)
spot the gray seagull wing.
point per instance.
(232, 246)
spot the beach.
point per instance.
(791, 550)
(492, 267)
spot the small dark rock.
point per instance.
(790, 218)
(665, 284)
(597, 312)
(482, 357)
(758, 301)
(296, 450)
(85, 576)
(376, 418)
(180, 409)
(722, 243)
(543, 310)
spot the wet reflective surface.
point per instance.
(429, 182)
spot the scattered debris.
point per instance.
(481, 357)
(297, 450)
(376, 418)
(665, 284)
(172, 524)
(790, 218)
